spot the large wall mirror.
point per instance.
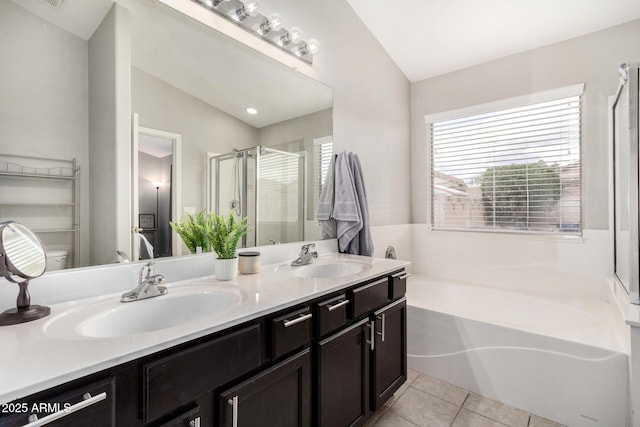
(132, 106)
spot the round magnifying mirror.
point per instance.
(25, 256)
(22, 256)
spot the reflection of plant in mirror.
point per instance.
(195, 230)
(226, 234)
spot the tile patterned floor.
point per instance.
(424, 401)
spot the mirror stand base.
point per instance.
(15, 316)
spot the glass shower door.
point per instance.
(280, 197)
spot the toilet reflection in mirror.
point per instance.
(22, 258)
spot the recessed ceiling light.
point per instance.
(252, 110)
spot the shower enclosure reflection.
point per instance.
(263, 184)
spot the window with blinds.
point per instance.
(323, 153)
(280, 181)
(515, 168)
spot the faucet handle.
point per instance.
(147, 270)
(305, 248)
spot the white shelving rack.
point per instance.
(43, 194)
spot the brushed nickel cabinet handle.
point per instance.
(296, 320)
(340, 304)
(381, 333)
(234, 410)
(87, 401)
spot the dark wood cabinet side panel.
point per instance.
(180, 378)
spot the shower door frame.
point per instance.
(632, 86)
(213, 204)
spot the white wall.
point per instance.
(44, 97)
(110, 137)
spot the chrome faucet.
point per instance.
(306, 256)
(147, 285)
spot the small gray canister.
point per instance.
(249, 262)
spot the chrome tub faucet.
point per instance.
(148, 285)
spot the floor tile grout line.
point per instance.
(459, 409)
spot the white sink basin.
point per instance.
(111, 318)
(332, 268)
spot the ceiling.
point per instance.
(426, 38)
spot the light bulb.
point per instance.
(311, 47)
(273, 23)
(158, 184)
(293, 36)
(252, 111)
(248, 9)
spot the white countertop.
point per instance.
(35, 359)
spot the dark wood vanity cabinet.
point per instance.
(328, 362)
(389, 356)
(278, 396)
(343, 377)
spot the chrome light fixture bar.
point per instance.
(245, 13)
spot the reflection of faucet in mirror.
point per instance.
(122, 257)
(22, 255)
(147, 285)
(306, 256)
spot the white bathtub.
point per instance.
(562, 358)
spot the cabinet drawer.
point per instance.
(369, 297)
(398, 284)
(93, 404)
(331, 314)
(182, 377)
(290, 332)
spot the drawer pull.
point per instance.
(297, 320)
(381, 333)
(340, 304)
(234, 410)
(402, 275)
(87, 401)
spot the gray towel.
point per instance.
(343, 211)
(362, 244)
(346, 206)
(325, 206)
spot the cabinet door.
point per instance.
(343, 377)
(390, 352)
(279, 396)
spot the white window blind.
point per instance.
(510, 169)
(279, 188)
(322, 157)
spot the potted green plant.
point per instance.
(195, 231)
(224, 241)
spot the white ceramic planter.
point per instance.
(225, 269)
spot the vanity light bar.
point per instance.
(244, 13)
